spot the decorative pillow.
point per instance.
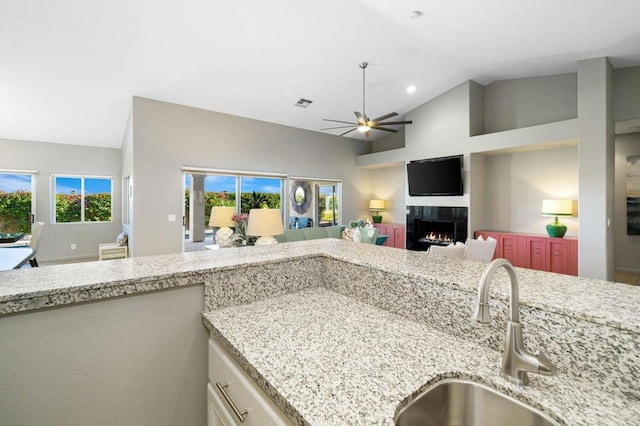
(122, 239)
(452, 250)
(368, 234)
(480, 249)
(347, 234)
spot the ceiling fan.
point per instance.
(363, 123)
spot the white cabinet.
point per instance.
(230, 386)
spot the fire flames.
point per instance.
(432, 236)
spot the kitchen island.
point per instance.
(338, 333)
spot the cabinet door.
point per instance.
(536, 253)
(384, 229)
(241, 391)
(399, 236)
(573, 256)
(509, 248)
(558, 255)
(388, 231)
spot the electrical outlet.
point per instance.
(73, 246)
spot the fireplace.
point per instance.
(427, 226)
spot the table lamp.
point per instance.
(221, 218)
(557, 208)
(265, 223)
(376, 206)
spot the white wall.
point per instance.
(389, 185)
(627, 247)
(135, 360)
(51, 158)
(167, 136)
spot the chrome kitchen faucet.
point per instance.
(516, 360)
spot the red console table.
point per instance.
(536, 251)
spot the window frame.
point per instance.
(53, 193)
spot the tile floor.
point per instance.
(627, 278)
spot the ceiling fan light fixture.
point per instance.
(363, 128)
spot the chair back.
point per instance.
(36, 234)
(451, 250)
(481, 249)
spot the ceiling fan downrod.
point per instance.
(363, 66)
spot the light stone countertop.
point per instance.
(375, 343)
(602, 302)
(328, 359)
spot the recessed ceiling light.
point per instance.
(411, 89)
(415, 14)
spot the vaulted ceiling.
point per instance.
(69, 68)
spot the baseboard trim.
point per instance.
(68, 259)
(628, 270)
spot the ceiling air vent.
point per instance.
(303, 103)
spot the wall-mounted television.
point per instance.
(435, 176)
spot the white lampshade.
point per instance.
(557, 208)
(221, 216)
(265, 223)
(376, 205)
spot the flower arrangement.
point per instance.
(240, 236)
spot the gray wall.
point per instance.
(524, 102)
(626, 94)
(167, 136)
(50, 158)
(136, 360)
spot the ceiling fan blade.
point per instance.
(368, 133)
(384, 117)
(338, 127)
(348, 131)
(385, 129)
(362, 119)
(340, 121)
(392, 123)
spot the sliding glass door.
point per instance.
(328, 197)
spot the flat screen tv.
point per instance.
(435, 176)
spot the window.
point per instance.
(82, 199)
(16, 201)
(258, 192)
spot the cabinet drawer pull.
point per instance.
(239, 414)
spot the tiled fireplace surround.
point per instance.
(432, 225)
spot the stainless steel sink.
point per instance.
(465, 403)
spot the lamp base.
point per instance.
(377, 218)
(267, 240)
(556, 229)
(224, 237)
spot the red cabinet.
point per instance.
(395, 232)
(536, 251)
